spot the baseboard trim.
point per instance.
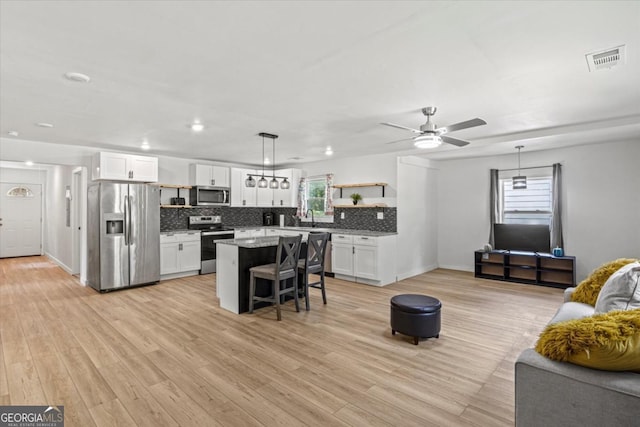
(416, 272)
(458, 267)
(61, 264)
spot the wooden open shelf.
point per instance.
(365, 184)
(373, 205)
(359, 185)
(177, 188)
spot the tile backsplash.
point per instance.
(354, 218)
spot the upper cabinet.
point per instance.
(213, 176)
(124, 167)
(289, 197)
(241, 195)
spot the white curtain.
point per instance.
(328, 195)
(556, 213)
(494, 204)
(302, 198)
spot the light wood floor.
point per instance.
(168, 355)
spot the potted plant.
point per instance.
(356, 197)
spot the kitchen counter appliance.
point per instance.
(211, 230)
(123, 235)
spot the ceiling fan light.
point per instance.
(427, 141)
(285, 185)
(519, 182)
(263, 183)
(250, 182)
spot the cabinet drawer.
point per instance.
(179, 237)
(365, 240)
(341, 238)
(189, 237)
(168, 238)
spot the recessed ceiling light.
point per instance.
(145, 145)
(44, 125)
(12, 133)
(28, 163)
(266, 161)
(77, 77)
(328, 151)
(196, 126)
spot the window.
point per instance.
(318, 198)
(532, 205)
(316, 192)
(20, 192)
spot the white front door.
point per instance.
(20, 219)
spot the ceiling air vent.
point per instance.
(608, 58)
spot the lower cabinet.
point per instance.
(247, 233)
(280, 232)
(179, 254)
(364, 259)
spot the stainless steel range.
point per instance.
(211, 230)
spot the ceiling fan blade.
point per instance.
(455, 141)
(462, 125)
(399, 140)
(401, 127)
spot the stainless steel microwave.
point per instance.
(201, 195)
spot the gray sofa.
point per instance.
(550, 393)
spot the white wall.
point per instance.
(58, 236)
(417, 250)
(601, 195)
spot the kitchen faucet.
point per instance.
(313, 220)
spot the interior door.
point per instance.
(20, 219)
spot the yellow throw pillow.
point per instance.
(587, 291)
(608, 341)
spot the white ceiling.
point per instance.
(317, 74)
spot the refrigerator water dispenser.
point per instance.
(115, 226)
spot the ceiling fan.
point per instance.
(431, 137)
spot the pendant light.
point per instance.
(273, 184)
(519, 182)
(262, 183)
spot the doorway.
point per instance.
(20, 219)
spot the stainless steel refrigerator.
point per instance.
(123, 235)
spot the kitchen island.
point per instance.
(234, 259)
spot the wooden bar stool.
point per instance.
(284, 268)
(314, 264)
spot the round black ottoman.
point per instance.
(415, 315)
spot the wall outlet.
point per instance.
(380, 215)
(341, 215)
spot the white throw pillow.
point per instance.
(621, 291)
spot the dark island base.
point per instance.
(252, 257)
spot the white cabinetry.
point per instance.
(287, 198)
(247, 233)
(124, 167)
(364, 259)
(242, 195)
(281, 232)
(179, 254)
(213, 176)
